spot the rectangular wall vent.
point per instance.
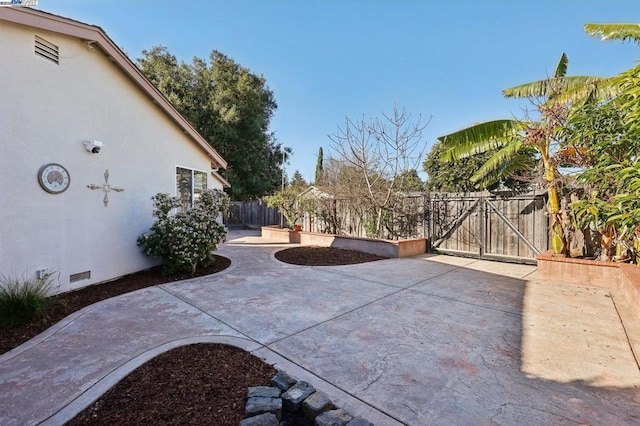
(47, 50)
(80, 276)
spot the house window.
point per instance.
(189, 185)
(47, 50)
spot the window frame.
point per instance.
(194, 188)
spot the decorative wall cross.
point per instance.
(106, 188)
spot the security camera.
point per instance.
(93, 146)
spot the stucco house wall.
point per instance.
(47, 111)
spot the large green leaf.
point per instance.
(478, 138)
(617, 31)
(495, 167)
(482, 132)
(561, 68)
(599, 89)
(522, 164)
(578, 85)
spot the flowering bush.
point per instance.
(185, 239)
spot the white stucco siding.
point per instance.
(46, 112)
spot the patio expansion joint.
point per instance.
(626, 332)
(335, 385)
(211, 316)
(477, 305)
(411, 288)
(337, 272)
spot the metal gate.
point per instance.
(497, 226)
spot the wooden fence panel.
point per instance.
(500, 226)
(251, 214)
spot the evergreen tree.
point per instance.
(231, 107)
(319, 168)
(297, 181)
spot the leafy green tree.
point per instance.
(319, 168)
(456, 177)
(513, 139)
(606, 135)
(409, 180)
(446, 177)
(231, 107)
(297, 181)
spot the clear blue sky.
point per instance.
(326, 60)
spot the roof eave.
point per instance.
(91, 33)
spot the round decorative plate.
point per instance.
(54, 178)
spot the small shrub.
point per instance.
(22, 299)
(185, 239)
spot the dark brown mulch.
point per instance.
(324, 256)
(201, 384)
(196, 384)
(67, 303)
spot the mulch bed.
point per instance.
(67, 303)
(195, 384)
(201, 384)
(324, 256)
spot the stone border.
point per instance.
(292, 402)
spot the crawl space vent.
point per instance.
(47, 50)
(80, 276)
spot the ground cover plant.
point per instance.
(22, 298)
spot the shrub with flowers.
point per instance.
(185, 239)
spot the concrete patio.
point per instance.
(418, 341)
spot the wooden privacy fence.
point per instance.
(251, 214)
(487, 225)
(502, 226)
(498, 225)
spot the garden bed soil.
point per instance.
(324, 256)
(195, 384)
(201, 384)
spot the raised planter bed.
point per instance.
(280, 235)
(622, 277)
(386, 248)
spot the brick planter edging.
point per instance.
(386, 248)
(290, 402)
(623, 277)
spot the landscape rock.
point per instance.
(264, 405)
(263, 392)
(295, 419)
(266, 419)
(316, 404)
(282, 380)
(292, 398)
(333, 418)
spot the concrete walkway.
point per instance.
(420, 341)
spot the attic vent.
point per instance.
(47, 50)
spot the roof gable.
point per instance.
(97, 38)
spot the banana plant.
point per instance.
(518, 141)
(618, 31)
